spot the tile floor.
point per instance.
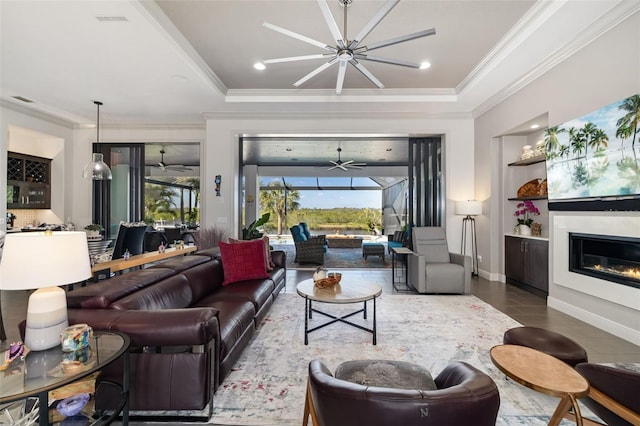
(524, 307)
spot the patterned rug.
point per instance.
(336, 258)
(267, 385)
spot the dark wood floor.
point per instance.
(522, 306)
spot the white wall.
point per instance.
(221, 156)
(605, 71)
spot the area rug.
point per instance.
(336, 258)
(267, 384)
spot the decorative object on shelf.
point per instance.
(540, 149)
(61, 259)
(523, 230)
(94, 231)
(75, 337)
(530, 189)
(97, 169)
(218, 182)
(542, 187)
(470, 208)
(527, 152)
(525, 210)
(536, 229)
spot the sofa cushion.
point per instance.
(268, 262)
(171, 293)
(243, 261)
(102, 294)
(234, 317)
(205, 278)
(297, 233)
(181, 263)
(256, 291)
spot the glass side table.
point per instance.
(41, 372)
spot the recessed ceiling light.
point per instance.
(259, 65)
(389, 150)
(425, 65)
(535, 126)
(289, 150)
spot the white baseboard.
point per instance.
(602, 323)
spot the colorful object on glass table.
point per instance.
(75, 337)
(17, 350)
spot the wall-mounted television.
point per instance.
(593, 162)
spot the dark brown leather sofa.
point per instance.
(186, 329)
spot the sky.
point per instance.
(330, 199)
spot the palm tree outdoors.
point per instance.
(158, 202)
(631, 119)
(278, 202)
(194, 183)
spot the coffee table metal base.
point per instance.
(309, 310)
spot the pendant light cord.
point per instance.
(98, 103)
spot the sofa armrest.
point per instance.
(279, 258)
(416, 265)
(465, 262)
(169, 327)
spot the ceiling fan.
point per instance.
(175, 167)
(345, 165)
(348, 51)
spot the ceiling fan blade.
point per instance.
(337, 166)
(340, 81)
(355, 166)
(379, 16)
(387, 61)
(315, 72)
(298, 36)
(346, 163)
(297, 58)
(367, 73)
(399, 39)
(331, 22)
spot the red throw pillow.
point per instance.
(242, 261)
(268, 261)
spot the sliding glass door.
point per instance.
(426, 182)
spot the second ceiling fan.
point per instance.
(348, 51)
(175, 167)
(345, 165)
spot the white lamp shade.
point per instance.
(469, 208)
(33, 260)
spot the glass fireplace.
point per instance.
(607, 257)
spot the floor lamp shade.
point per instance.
(469, 208)
(44, 261)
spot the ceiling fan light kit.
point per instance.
(347, 51)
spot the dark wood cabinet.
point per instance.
(527, 263)
(28, 182)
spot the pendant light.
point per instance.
(97, 169)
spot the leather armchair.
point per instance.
(464, 396)
(613, 394)
(432, 268)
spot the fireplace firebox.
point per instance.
(607, 257)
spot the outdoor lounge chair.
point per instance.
(309, 248)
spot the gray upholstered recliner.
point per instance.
(432, 268)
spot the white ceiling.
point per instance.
(179, 61)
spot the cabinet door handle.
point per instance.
(521, 245)
(526, 247)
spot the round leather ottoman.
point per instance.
(386, 374)
(546, 341)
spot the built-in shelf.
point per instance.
(528, 161)
(537, 197)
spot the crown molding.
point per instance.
(31, 112)
(347, 115)
(347, 96)
(615, 16)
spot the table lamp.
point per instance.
(470, 208)
(43, 261)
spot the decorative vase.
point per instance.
(524, 230)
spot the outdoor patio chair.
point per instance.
(309, 248)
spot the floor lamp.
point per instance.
(469, 209)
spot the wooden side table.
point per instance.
(543, 373)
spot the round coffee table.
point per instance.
(348, 291)
(543, 373)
